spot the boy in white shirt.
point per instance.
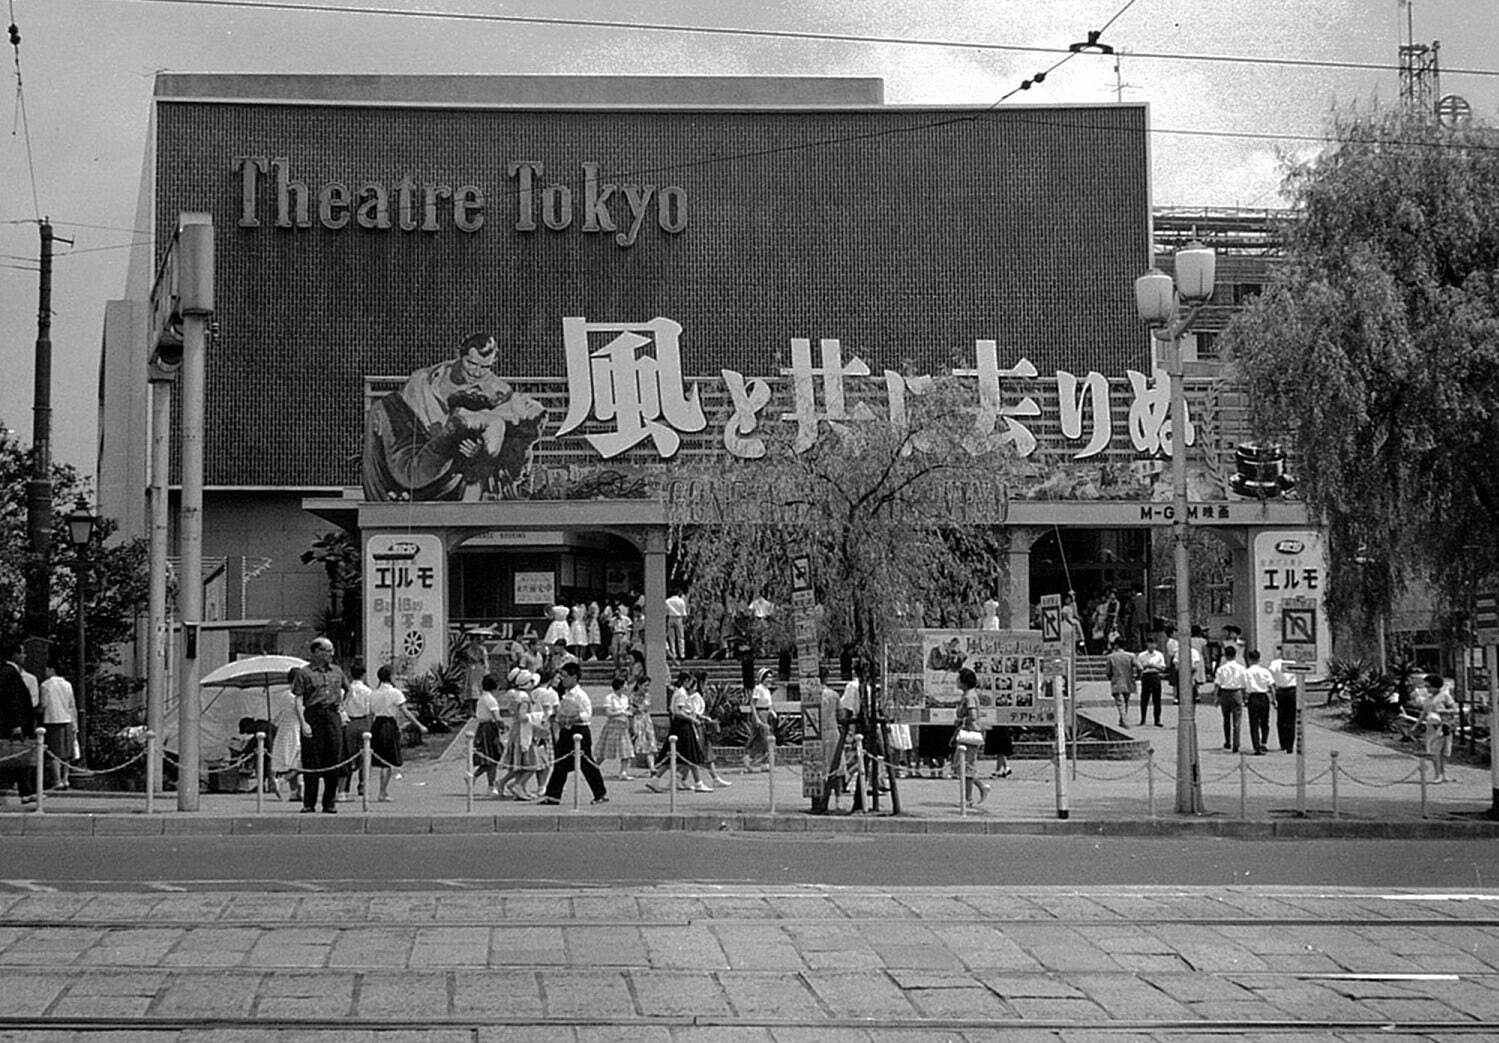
(1257, 685)
(1231, 679)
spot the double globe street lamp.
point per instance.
(1159, 300)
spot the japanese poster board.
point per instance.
(924, 676)
(535, 588)
(416, 590)
(1289, 582)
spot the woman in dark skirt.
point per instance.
(387, 708)
(684, 725)
(489, 745)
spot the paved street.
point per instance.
(742, 962)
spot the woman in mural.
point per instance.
(455, 431)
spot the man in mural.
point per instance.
(455, 431)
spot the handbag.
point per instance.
(969, 737)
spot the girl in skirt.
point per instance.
(387, 708)
(642, 729)
(684, 728)
(523, 750)
(489, 747)
(615, 740)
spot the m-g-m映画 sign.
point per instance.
(361, 245)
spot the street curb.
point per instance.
(353, 824)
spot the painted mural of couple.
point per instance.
(454, 431)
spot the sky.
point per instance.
(88, 66)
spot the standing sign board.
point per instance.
(1051, 618)
(416, 591)
(817, 739)
(1006, 662)
(1486, 619)
(1289, 582)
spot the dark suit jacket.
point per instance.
(16, 710)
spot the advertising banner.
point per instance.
(535, 588)
(1289, 581)
(924, 676)
(405, 603)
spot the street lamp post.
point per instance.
(1158, 297)
(80, 532)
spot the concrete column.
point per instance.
(1015, 599)
(653, 548)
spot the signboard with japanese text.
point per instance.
(923, 676)
(1289, 583)
(499, 304)
(535, 588)
(416, 590)
(1486, 618)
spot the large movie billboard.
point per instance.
(470, 303)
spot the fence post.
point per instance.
(770, 761)
(1334, 755)
(468, 775)
(150, 772)
(577, 769)
(1150, 778)
(671, 778)
(1421, 768)
(41, 767)
(364, 767)
(1243, 788)
(960, 755)
(259, 773)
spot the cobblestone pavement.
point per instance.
(689, 962)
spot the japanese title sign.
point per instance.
(405, 600)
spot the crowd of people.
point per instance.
(25, 705)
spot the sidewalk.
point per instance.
(1378, 795)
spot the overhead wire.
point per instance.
(792, 34)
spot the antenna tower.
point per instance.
(1420, 76)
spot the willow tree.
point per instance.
(1374, 351)
(893, 513)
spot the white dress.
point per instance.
(286, 750)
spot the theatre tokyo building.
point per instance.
(500, 322)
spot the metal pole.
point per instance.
(259, 773)
(1243, 787)
(1421, 768)
(157, 641)
(38, 605)
(151, 772)
(1188, 769)
(1492, 655)
(1150, 778)
(1334, 772)
(82, 708)
(770, 760)
(196, 291)
(671, 760)
(41, 768)
(1300, 753)
(1060, 753)
(364, 764)
(960, 753)
(577, 770)
(468, 775)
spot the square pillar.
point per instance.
(654, 638)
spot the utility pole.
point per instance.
(39, 489)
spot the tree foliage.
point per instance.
(116, 587)
(1375, 353)
(890, 514)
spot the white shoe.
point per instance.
(702, 787)
(719, 780)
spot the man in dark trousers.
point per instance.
(318, 690)
(17, 725)
(574, 712)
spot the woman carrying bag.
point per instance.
(967, 740)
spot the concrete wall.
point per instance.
(267, 524)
